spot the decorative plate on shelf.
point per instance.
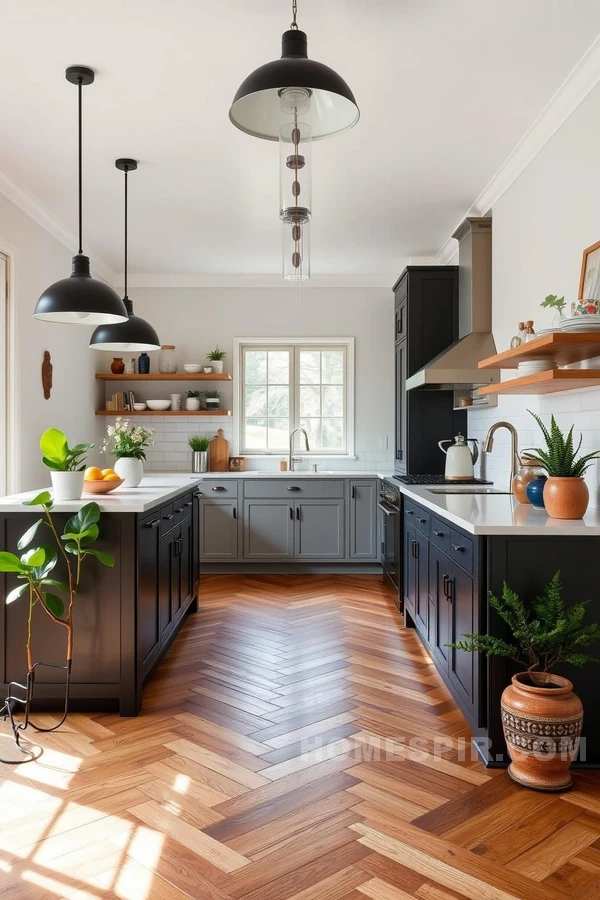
(582, 323)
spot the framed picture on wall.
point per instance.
(589, 282)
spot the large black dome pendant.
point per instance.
(80, 299)
(256, 108)
(135, 333)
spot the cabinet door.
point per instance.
(166, 560)
(319, 532)
(400, 317)
(463, 667)
(363, 520)
(268, 529)
(410, 570)
(176, 574)
(186, 582)
(148, 588)
(422, 581)
(401, 413)
(196, 540)
(440, 570)
(218, 530)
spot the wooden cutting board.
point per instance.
(219, 453)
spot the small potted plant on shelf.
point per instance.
(66, 464)
(193, 400)
(557, 303)
(566, 494)
(199, 447)
(216, 358)
(128, 443)
(541, 716)
(212, 399)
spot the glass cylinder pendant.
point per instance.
(295, 198)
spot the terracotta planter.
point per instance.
(566, 498)
(542, 727)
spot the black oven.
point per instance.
(391, 537)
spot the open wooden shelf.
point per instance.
(126, 413)
(559, 347)
(545, 382)
(176, 376)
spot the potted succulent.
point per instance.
(557, 303)
(128, 443)
(216, 358)
(541, 716)
(212, 399)
(66, 464)
(193, 400)
(566, 494)
(199, 447)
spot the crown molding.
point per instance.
(174, 280)
(571, 93)
(28, 204)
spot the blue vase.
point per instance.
(535, 491)
(144, 364)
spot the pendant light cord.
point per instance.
(80, 162)
(126, 206)
(294, 25)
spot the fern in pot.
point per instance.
(566, 494)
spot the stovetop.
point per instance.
(438, 479)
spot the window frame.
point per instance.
(294, 345)
(7, 381)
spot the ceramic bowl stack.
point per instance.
(582, 323)
(533, 366)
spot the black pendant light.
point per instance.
(260, 106)
(80, 299)
(135, 333)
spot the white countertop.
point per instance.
(498, 514)
(324, 473)
(156, 488)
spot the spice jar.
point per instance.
(529, 469)
(167, 359)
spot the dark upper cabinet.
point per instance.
(401, 408)
(426, 311)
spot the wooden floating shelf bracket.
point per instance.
(177, 376)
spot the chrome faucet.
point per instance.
(514, 441)
(291, 458)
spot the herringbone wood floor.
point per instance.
(253, 773)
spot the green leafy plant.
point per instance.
(193, 395)
(546, 631)
(212, 395)
(34, 568)
(57, 455)
(554, 302)
(199, 444)
(216, 355)
(560, 458)
(125, 440)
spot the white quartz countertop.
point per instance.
(498, 514)
(321, 473)
(156, 488)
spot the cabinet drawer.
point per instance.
(212, 489)
(461, 550)
(440, 534)
(417, 516)
(290, 489)
(168, 519)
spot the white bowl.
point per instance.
(192, 367)
(158, 404)
(139, 406)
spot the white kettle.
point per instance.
(460, 459)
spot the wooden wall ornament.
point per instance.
(47, 374)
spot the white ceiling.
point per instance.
(446, 91)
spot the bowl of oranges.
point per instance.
(100, 481)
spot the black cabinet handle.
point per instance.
(219, 487)
(152, 524)
(169, 516)
(354, 492)
(422, 521)
(298, 513)
(177, 548)
(458, 548)
(234, 513)
(198, 494)
(445, 588)
(180, 510)
(189, 503)
(291, 514)
(414, 549)
(439, 533)
(410, 512)
(450, 590)
(293, 487)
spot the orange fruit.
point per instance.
(106, 472)
(112, 476)
(93, 474)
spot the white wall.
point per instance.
(38, 259)
(540, 228)
(196, 319)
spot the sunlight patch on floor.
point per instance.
(181, 784)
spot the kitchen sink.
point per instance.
(468, 490)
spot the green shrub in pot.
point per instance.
(199, 446)
(216, 358)
(66, 464)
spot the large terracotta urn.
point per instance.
(542, 725)
(566, 498)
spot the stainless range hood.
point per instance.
(456, 367)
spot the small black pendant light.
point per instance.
(135, 333)
(80, 299)
(259, 107)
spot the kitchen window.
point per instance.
(4, 405)
(283, 384)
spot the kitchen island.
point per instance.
(126, 616)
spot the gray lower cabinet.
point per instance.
(363, 520)
(268, 529)
(319, 529)
(219, 530)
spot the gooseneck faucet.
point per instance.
(291, 458)
(514, 441)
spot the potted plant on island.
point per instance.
(566, 494)
(66, 464)
(128, 443)
(212, 399)
(199, 447)
(541, 716)
(193, 400)
(557, 303)
(216, 358)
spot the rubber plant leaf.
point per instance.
(26, 539)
